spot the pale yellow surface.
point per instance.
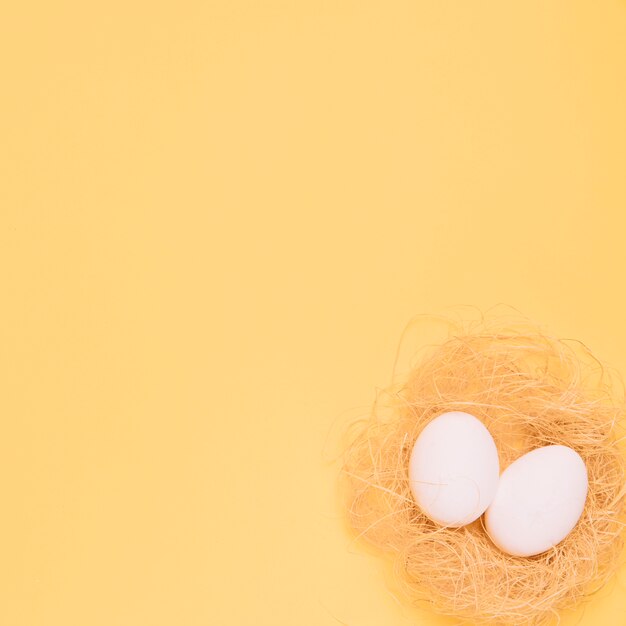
(217, 218)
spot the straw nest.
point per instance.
(530, 390)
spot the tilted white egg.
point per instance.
(454, 469)
(539, 500)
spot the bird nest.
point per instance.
(530, 390)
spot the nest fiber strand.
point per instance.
(530, 390)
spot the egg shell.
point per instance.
(539, 500)
(454, 469)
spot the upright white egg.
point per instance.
(454, 469)
(539, 500)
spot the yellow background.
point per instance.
(217, 218)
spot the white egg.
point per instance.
(539, 500)
(454, 469)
